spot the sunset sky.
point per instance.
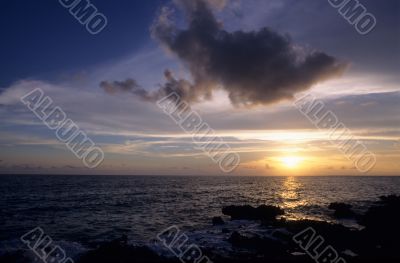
(239, 63)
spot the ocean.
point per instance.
(82, 211)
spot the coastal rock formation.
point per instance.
(382, 222)
(217, 220)
(342, 210)
(377, 242)
(247, 212)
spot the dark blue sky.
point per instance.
(42, 37)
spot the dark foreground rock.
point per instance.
(377, 242)
(265, 246)
(247, 212)
(17, 257)
(342, 210)
(382, 222)
(217, 220)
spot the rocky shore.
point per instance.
(377, 241)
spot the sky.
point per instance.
(239, 64)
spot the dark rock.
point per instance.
(337, 235)
(391, 200)
(247, 212)
(281, 235)
(382, 221)
(342, 210)
(18, 257)
(225, 231)
(235, 238)
(217, 220)
(262, 245)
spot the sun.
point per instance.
(291, 161)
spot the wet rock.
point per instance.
(390, 200)
(342, 210)
(382, 222)
(247, 212)
(337, 235)
(235, 238)
(262, 245)
(217, 220)
(385, 214)
(225, 231)
(281, 235)
(18, 257)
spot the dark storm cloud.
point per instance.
(258, 67)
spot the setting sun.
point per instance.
(291, 161)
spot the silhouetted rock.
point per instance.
(378, 242)
(382, 221)
(263, 212)
(392, 200)
(337, 235)
(342, 210)
(225, 230)
(217, 220)
(262, 245)
(385, 214)
(18, 257)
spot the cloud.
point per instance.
(268, 167)
(214, 4)
(254, 68)
(182, 87)
(129, 85)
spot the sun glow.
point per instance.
(291, 161)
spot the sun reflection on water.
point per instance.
(291, 193)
